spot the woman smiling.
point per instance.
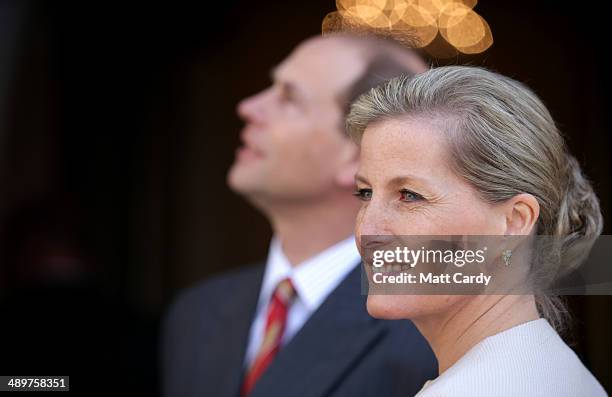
(465, 151)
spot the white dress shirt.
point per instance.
(313, 280)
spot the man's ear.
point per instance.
(346, 177)
(522, 212)
(348, 167)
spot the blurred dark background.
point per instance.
(117, 127)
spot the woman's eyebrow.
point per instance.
(400, 179)
(361, 178)
(397, 180)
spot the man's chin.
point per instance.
(242, 178)
(235, 178)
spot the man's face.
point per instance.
(293, 143)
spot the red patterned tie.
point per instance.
(275, 327)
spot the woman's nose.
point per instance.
(372, 231)
(372, 221)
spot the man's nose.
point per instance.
(254, 108)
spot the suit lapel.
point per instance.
(330, 342)
(223, 359)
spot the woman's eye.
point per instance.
(409, 196)
(363, 194)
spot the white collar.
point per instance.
(315, 278)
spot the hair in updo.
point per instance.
(504, 142)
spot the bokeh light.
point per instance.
(450, 26)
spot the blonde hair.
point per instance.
(503, 142)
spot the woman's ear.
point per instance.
(522, 212)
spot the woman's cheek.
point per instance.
(358, 223)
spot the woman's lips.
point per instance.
(390, 268)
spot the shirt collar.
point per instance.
(315, 278)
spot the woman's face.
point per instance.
(408, 188)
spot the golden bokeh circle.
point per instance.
(452, 21)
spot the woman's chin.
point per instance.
(412, 307)
(389, 307)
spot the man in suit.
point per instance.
(298, 325)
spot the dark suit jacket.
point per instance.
(340, 350)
